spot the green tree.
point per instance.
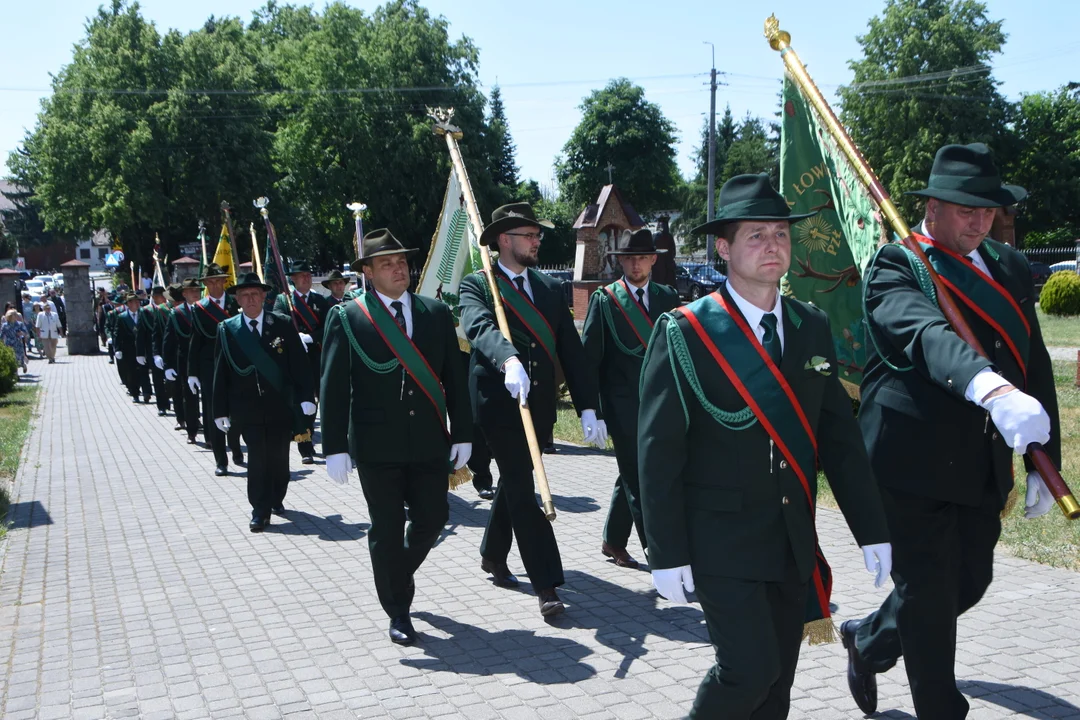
(923, 82)
(1047, 162)
(619, 126)
(751, 152)
(505, 171)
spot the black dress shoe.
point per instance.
(278, 510)
(162, 413)
(258, 524)
(307, 460)
(221, 470)
(550, 604)
(135, 399)
(146, 400)
(501, 573)
(401, 631)
(486, 494)
(238, 457)
(178, 426)
(861, 680)
(192, 440)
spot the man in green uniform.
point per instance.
(176, 346)
(336, 283)
(309, 315)
(125, 339)
(739, 403)
(941, 423)
(391, 380)
(151, 334)
(503, 374)
(261, 387)
(116, 307)
(617, 329)
(207, 313)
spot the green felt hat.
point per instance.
(299, 266)
(636, 242)
(966, 175)
(380, 242)
(748, 197)
(248, 280)
(511, 216)
(213, 270)
(334, 275)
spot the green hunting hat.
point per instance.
(175, 292)
(129, 297)
(157, 290)
(299, 266)
(249, 280)
(636, 242)
(511, 216)
(213, 270)
(334, 275)
(380, 242)
(966, 175)
(190, 284)
(748, 197)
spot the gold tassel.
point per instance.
(1010, 502)
(460, 477)
(819, 632)
(303, 437)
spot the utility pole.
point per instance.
(709, 240)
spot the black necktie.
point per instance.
(641, 299)
(520, 281)
(255, 326)
(399, 315)
(771, 339)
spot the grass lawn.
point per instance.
(15, 411)
(1059, 331)
(568, 425)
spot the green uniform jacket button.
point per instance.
(785, 500)
(949, 382)
(535, 382)
(997, 344)
(783, 466)
(412, 412)
(410, 392)
(533, 344)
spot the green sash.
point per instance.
(404, 350)
(176, 312)
(984, 296)
(735, 348)
(631, 309)
(523, 308)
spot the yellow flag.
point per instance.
(223, 256)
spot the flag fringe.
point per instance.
(820, 632)
(460, 477)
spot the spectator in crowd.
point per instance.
(60, 309)
(13, 334)
(48, 331)
(31, 329)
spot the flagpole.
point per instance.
(780, 40)
(226, 208)
(271, 238)
(452, 134)
(159, 276)
(202, 240)
(255, 254)
(358, 209)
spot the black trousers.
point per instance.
(396, 492)
(186, 403)
(480, 460)
(161, 394)
(624, 513)
(314, 355)
(214, 437)
(515, 512)
(756, 630)
(136, 377)
(268, 466)
(943, 562)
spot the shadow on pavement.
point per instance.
(329, 528)
(472, 650)
(1019, 699)
(25, 515)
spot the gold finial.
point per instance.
(261, 203)
(778, 39)
(357, 208)
(442, 117)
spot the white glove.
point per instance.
(307, 408)
(108, 341)
(460, 454)
(1020, 418)
(338, 467)
(118, 355)
(140, 359)
(1039, 500)
(193, 384)
(516, 380)
(223, 424)
(159, 362)
(170, 375)
(670, 583)
(878, 559)
(595, 430)
(306, 340)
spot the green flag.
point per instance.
(830, 249)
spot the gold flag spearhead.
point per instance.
(778, 39)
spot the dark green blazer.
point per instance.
(125, 333)
(201, 352)
(725, 501)
(616, 373)
(922, 435)
(152, 319)
(386, 417)
(176, 339)
(491, 401)
(251, 399)
(319, 306)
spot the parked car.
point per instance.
(693, 281)
(58, 278)
(1039, 272)
(1063, 265)
(47, 280)
(36, 288)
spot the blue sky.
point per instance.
(547, 56)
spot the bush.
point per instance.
(1061, 294)
(1059, 237)
(9, 370)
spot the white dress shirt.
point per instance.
(753, 315)
(524, 273)
(220, 302)
(258, 323)
(406, 308)
(634, 288)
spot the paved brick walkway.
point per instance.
(132, 588)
